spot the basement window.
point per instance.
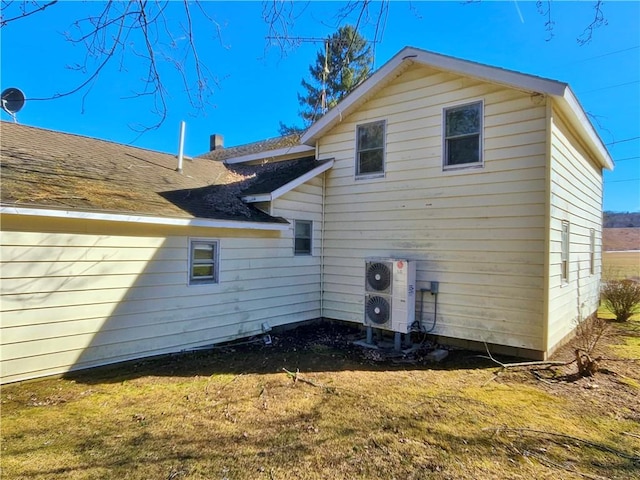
(463, 136)
(203, 262)
(302, 237)
(370, 139)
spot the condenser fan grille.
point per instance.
(377, 310)
(378, 276)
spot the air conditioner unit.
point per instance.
(390, 293)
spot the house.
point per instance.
(491, 180)
(488, 181)
(109, 254)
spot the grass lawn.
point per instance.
(619, 265)
(235, 414)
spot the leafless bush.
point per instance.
(622, 298)
(588, 333)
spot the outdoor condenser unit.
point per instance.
(390, 293)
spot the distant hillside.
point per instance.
(621, 219)
(618, 239)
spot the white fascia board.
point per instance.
(117, 217)
(510, 78)
(585, 127)
(264, 197)
(409, 55)
(267, 197)
(280, 152)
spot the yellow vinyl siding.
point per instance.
(480, 232)
(576, 197)
(79, 293)
(305, 203)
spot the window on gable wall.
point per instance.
(302, 237)
(564, 252)
(463, 135)
(203, 262)
(370, 139)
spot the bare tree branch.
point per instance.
(413, 9)
(139, 30)
(37, 8)
(280, 18)
(113, 35)
(598, 21)
(107, 57)
(544, 9)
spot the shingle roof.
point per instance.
(255, 147)
(263, 178)
(44, 168)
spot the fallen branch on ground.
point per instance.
(609, 359)
(206, 387)
(633, 457)
(549, 463)
(524, 364)
(296, 377)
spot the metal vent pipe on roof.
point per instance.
(181, 147)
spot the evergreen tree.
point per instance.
(343, 63)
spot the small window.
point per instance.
(564, 255)
(302, 240)
(203, 263)
(592, 251)
(370, 148)
(463, 135)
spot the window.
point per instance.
(564, 254)
(302, 241)
(370, 148)
(203, 262)
(592, 251)
(463, 135)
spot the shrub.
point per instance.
(589, 331)
(622, 298)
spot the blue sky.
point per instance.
(257, 85)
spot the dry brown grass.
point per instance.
(621, 253)
(234, 414)
(618, 239)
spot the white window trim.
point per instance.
(362, 176)
(565, 251)
(592, 251)
(216, 262)
(303, 254)
(463, 166)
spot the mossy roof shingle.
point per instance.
(45, 168)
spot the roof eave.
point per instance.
(269, 196)
(409, 55)
(270, 154)
(142, 219)
(571, 107)
(384, 74)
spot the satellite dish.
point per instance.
(12, 100)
